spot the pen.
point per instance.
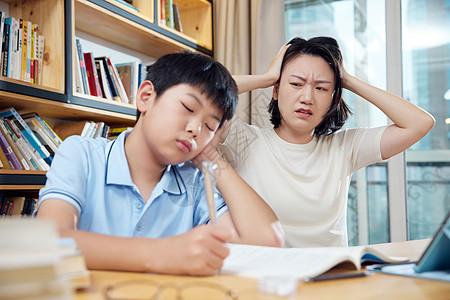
(333, 276)
(208, 176)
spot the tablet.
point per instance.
(437, 255)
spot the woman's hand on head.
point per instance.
(273, 73)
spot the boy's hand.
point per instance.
(210, 153)
(200, 251)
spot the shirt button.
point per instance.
(138, 228)
(139, 205)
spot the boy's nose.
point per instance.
(194, 128)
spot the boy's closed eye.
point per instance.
(210, 127)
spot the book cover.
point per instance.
(14, 116)
(125, 71)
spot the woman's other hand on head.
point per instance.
(273, 73)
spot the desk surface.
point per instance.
(377, 286)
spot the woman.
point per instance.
(303, 165)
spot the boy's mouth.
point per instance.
(187, 145)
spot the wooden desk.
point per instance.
(377, 286)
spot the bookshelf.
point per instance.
(55, 98)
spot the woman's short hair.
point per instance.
(328, 49)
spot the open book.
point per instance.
(301, 263)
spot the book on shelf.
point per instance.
(114, 132)
(4, 160)
(22, 49)
(163, 13)
(2, 24)
(142, 74)
(177, 18)
(15, 118)
(13, 141)
(104, 85)
(128, 73)
(6, 58)
(169, 13)
(91, 71)
(31, 154)
(110, 78)
(300, 263)
(9, 153)
(115, 76)
(80, 57)
(33, 116)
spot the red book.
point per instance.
(91, 70)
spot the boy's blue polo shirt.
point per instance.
(93, 176)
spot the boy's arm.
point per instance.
(248, 214)
(200, 251)
(411, 123)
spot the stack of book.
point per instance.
(100, 77)
(36, 264)
(26, 142)
(21, 48)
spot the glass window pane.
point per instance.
(426, 83)
(359, 28)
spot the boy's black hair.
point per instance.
(197, 70)
(328, 49)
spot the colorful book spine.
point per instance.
(12, 158)
(12, 114)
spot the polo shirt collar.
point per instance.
(118, 172)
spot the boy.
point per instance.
(132, 205)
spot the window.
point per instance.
(426, 83)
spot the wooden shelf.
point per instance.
(107, 25)
(61, 110)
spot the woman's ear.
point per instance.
(145, 96)
(276, 86)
